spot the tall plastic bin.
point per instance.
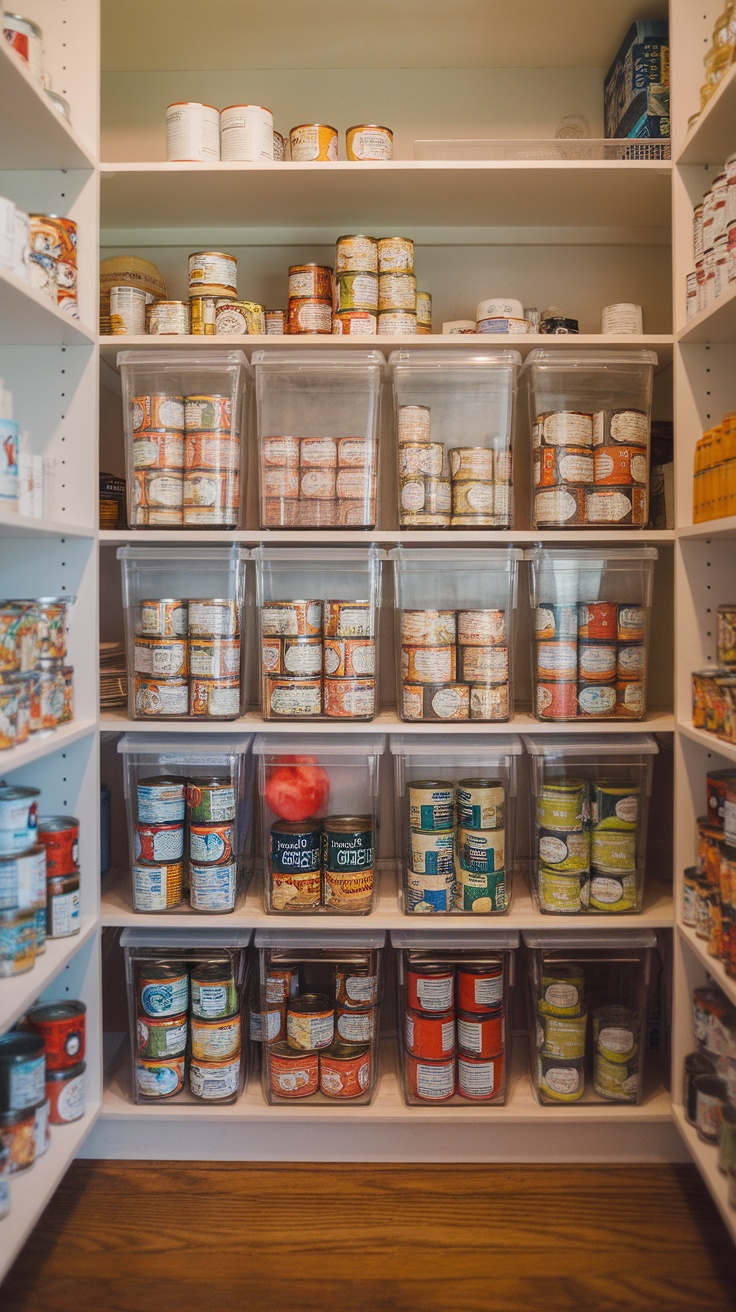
(455, 822)
(587, 1023)
(183, 609)
(320, 1001)
(187, 994)
(318, 421)
(455, 632)
(184, 417)
(454, 1016)
(590, 631)
(188, 805)
(318, 614)
(454, 413)
(318, 812)
(590, 423)
(589, 810)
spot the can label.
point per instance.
(212, 887)
(295, 851)
(217, 1081)
(429, 893)
(347, 851)
(433, 854)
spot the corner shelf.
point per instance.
(711, 138)
(19, 992)
(28, 318)
(705, 1156)
(40, 138)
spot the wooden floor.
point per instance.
(129, 1237)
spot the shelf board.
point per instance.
(41, 138)
(708, 740)
(384, 537)
(384, 194)
(27, 318)
(13, 525)
(713, 965)
(705, 1156)
(44, 744)
(711, 528)
(716, 324)
(19, 991)
(711, 138)
(31, 1190)
(657, 721)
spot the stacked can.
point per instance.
(317, 1043)
(23, 1101)
(590, 660)
(177, 816)
(158, 460)
(481, 486)
(356, 286)
(322, 863)
(59, 835)
(454, 1030)
(53, 260)
(469, 487)
(709, 888)
(397, 286)
(213, 279)
(318, 482)
(591, 468)
(158, 860)
(213, 857)
(36, 682)
(211, 486)
(615, 1054)
(562, 1018)
(454, 665)
(456, 846)
(22, 881)
(480, 874)
(187, 658)
(318, 658)
(61, 1026)
(179, 1010)
(310, 298)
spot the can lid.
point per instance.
(16, 1048)
(55, 1011)
(70, 1073)
(441, 939)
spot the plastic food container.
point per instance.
(188, 804)
(187, 993)
(454, 414)
(590, 418)
(589, 808)
(319, 822)
(455, 632)
(455, 822)
(182, 631)
(454, 1016)
(318, 427)
(590, 631)
(183, 417)
(318, 632)
(587, 1019)
(320, 1000)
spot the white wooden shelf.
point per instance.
(44, 744)
(708, 740)
(711, 138)
(711, 528)
(716, 324)
(41, 138)
(705, 1156)
(384, 194)
(386, 536)
(19, 992)
(28, 318)
(713, 965)
(27, 526)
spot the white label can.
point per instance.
(192, 132)
(127, 311)
(246, 133)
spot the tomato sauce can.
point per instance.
(430, 1081)
(598, 620)
(480, 988)
(310, 1022)
(160, 1039)
(480, 1079)
(66, 1091)
(429, 1035)
(292, 1073)
(430, 987)
(215, 1040)
(159, 1079)
(163, 990)
(212, 843)
(344, 1070)
(61, 1025)
(481, 1035)
(159, 843)
(215, 1081)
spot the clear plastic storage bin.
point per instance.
(319, 1019)
(318, 621)
(318, 839)
(182, 631)
(188, 803)
(455, 632)
(187, 995)
(588, 998)
(589, 808)
(455, 822)
(590, 631)
(590, 417)
(453, 1021)
(183, 417)
(454, 425)
(318, 426)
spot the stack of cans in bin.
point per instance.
(454, 665)
(587, 846)
(174, 816)
(468, 488)
(186, 460)
(188, 1023)
(319, 482)
(36, 683)
(456, 846)
(591, 469)
(318, 658)
(187, 658)
(590, 660)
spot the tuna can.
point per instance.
(480, 1035)
(211, 801)
(157, 412)
(213, 617)
(212, 843)
(212, 273)
(214, 991)
(23, 880)
(22, 1071)
(484, 664)
(430, 987)
(161, 698)
(358, 253)
(239, 318)
(310, 316)
(344, 1070)
(157, 887)
(356, 985)
(246, 133)
(214, 1080)
(429, 893)
(430, 1081)
(413, 423)
(215, 1040)
(432, 853)
(292, 1073)
(159, 1079)
(127, 311)
(310, 1022)
(66, 1091)
(397, 323)
(61, 1027)
(213, 887)
(353, 1026)
(479, 1079)
(167, 318)
(312, 141)
(356, 291)
(192, 132)
(163, 990)
(434, 628)
(214, 658)
(561, 1081)
(165, 658)
(159, 1039)
(202, 315)
(159, 842)
(17, 941)
(18, 819)
(276, 323)
(429, 1035)
(164, 617)
(311, 282)
(428, 664)
(431, 805)
(479, 891)
(479, 988)
(18, 1129)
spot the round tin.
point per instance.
(430, 1081)
(563, 1037)
(356, 985)
(396, 291)
(22, 1071)
(18, 1132)
(276, 323)
(23, 880)
(61, 1026)
(479, 891)
(127, 311)
(348, 891)
(428, 664)
(479, 988)
(711, 1095)
(429, 1035)
(17, 941)
(292, 1073)
(158, 450)
(159, 1079)
(157, 887)
(211, 843)
(436, 628)
(192, 132)
(560, 1081)
(159, 843)
(246, 133)
(349, 699)
(212, 273)
(354, 1026)
(480, 1035)
(312, 141)
(163, 990)
(356, 291)
(157, 1040)
(282, 983)
(359, 253)
(239, 318)
(202, 315)
(395, 255)
(481, 803)
(431, 805)
(429, 893)
(216, 699)
(159, 411)
(161, 800)
(348, 619)
(430, 987)
(18, 819)
(166, 318)
(214, 1080)
(310, 316)
(562, 992)
(349, 657)
(166, 617)
(211, 801)
(215, 1040)
(414, 426)
(310, 1022)
(561, 893)
(291, 619)
(432, 852)
(344, 1070)
(368, 141)
(213, 887)
(311, 282)
(214, 991)
(479, 1079)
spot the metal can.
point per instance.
(596, 700)
(211, 801)
(295, 846)
(23, 880)
(430, 1081)
(429, 894)
(348, 619)
(299, 657)
(396, 291)
(211, 843)
(356, 984)
(161, 657)
(216, 699)
(310, 1022)
(212, 273)
(359, 253)
(18, 818)
(157, 887)
(349, 699)
(368, 141)
(213, 617)
(397, 323)
(479, 1034)
(349, 657)
(159, 1079)
(158, 450)
(59, 835)
(158, 490)
(293, 1073)
(424, 311)
(22, 1070)
(61, 1026)
(161, 799)
(214, 991)
(484, 664)
(414, 423)
(163, 990)
(355, 1026)
(215, 1040)
(727, 633)
(356, 291)
(158, 411)
(202, 315)
(428, 664)
(67, 1094)
(213, 888)
(63, 906)
(425, 458)
(210, 496)
(429, 1034)
(348, 891)
(432, 852)
(480, 1078)
(165, 318)
(192, 132)
(310, 282)
(480, 988)
(214, 1080)
(479, 891)
(159, 843)
(431, 805)
(127, 311)
(344, 1070)
(310, 316)
(291, 698)
(276, 323)
(481, 803)
(246, 133)
(435, 628)
(556, 701)
(26, 39)
(159, 1039)
(161, 698)
(430, 987)
(395, 255)
(312, 141)
(596, 661)
(295, 890)
(239, 318)
(17, 941)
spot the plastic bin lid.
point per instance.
(590, 359)
(172, 747)
(623, 744)
(458, 558)
(320, 938)
(201, 555)
(452, 357)
(435, 744)
(183, 359)
(607, 938)
(320, 744)
(589, 556)
(282, 357)
(332, 556)
(487, 940)
(185, 938)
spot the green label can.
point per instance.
(347, 843)
(480, 891)
(560, 1080)
(612, 807)
(563, 805)
(613, 849)
(481, 850)
(612, 891)
(561, 991)
(564, 850)
(564, 1036)
(211, 801)
(561, 893)
(431, 805)
(165, 1037)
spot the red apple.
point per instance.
(296, 788)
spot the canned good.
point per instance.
(213, 887)
(348, 619)
(429, 1035)
(159, 411)
(312, 141)
(432, 702)
(161, 698)
(161, 657)
(17, 941)
(356, 291)
(479, 1034)
(214, 658)
(211, 843)
(434, 628)
(352, 699)
(480, 803)
(479, 891)
(479, 988)
(349, 657)
(23, 880)
(430, 1081)
(212, 273)
(430, 987)
(18, 1130)
(158, 450)
(214, 992)
(66, 1091)
(160, 1039)
(358, 253)
(292, 1073)
(215, 1040)
(479, 1078)
(159, 842)
(18, 819)
(26, 39)
(310, 282)
(127, 311)
(246, 133)
(159, 1079)
(310, 1022)
(210, 496)
(192, 132)
(157, 887)
(291, 697)
(163, 990)
(396, 291)
(395, 255)
(344, 1070)
(596, 700)
(310, 316)
(164, 617)
(22, 1071)
(215, 617)
(431, 805)
(348, 890)
(211, 800)
(424, 311)
(202, 315)
(276, 323)
(432, 853)
(561, 1080)
(484, 664)
(239, 318)
(368, 141)
(353, 1026)
(429, 893)
(397, 323)
(428, 664)
(356, 985)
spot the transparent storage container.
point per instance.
(320, 1012)
(454, 425)
(454, 1016)
(588, 1011)
(590, 631)
(184, 415)
(589, 809)
(318, 425)
(318, 632)
(183, 607)
(590, 421)
(318, 837)
(187, 995)
(455, 822)
(188, 805)
(455, 632)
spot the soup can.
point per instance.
(344, 1070)
(292, 1073)
(157, 887)
(213, 887)
(215, 1040)
(479, 1034)
(212, 273)
(192, 132)
(312, 141)
(163, 1078)
(214, 990)
(66, 1091)
(430, 1081)
(480, 988)
(163, 990)
(246, 133)
(163, 1038)
(358, 253)
(213, 617)
(479, 1079)
(310, 1022)
(368, 141)
(59, 835)
(429, 1034)
(430, 987)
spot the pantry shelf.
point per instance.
(711, 138)
(705, 1156)
(658, 721)
(716, 745)
(17, 993)
(27, 526)
(713, 965)
(716, 324)
(27, 318)
(40, 137)
(385, 537)
(44, 744)
(712, 528)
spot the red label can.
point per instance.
(598, 619)
(479, 988)
(344, 1070)
(480, 1079)
(557, 701)
(66, 1093)
(61, 1026)
(430, 1081)
(480, 1036)
(430, 988)
(430, 1035)
(60, 836)
(292, 1074)
(159, 842)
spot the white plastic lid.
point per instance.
(315, 939)
(458, 558)
(439, 745)
(607, 939)
(590, 359)
(453, 357)
(589, 557)
(190, 363)
(201, 556)
(323, 745)
(186, 938)
(615, 744)
(175, 746)
(334, 557)
(487, 940)
(283, 358)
